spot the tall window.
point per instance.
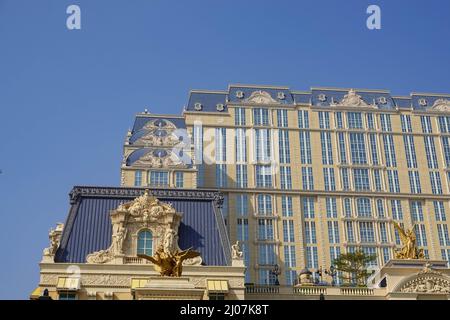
(264, 205)
(242, 205)
(329, 180)
(361, 179)
(370, 121)
(263, 150)
(266, 254)
(241, 151)
(265, 229)
(394, 184)
(333, 232)
(389, 150)
(145, 243)
(241, 176)
(439, 211)
(308, 208)
(263, 176)
(364, 208)
(366, 232)
(261, 117)
(285, 177)
(435, 180)
(221, 144)
(221, 175)
(414, 181)
(339, 122)
(410, 151)
(159, 178)
(283, 143)
(138, 178)
(406, 123)
(179, 179)
(288, 231)
(444, 124)
(331, 207)
(286, 206)
(430, 151)
(239, 117)
(358, 148)
(310, 232)
(354, 120)
(327, 150)
(385, 120)
(305, 147)
(377, 180)
(374, 148)
(282, 117)
(303, 119)
(342, 148)
(426, 124)
(446, 150)
(324, 119)
(307, 178)
(345, 179)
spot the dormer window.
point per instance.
(423, 102)
(220, 107)
(239, 94)
(382, 100)
(281, 95)
(198, 106)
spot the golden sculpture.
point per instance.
(409, 250)
(170, 264)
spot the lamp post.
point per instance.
(276, 272)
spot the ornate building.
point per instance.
(305, 176)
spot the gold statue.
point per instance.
(409, 250)
(170, 264)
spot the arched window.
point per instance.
(145, 243)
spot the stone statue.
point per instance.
(409, 249)
(236, 252)
(169, 241)
(119, 238)
(54, 236)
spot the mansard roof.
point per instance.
(210, 101)
(88, 226)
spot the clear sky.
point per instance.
(67, 97)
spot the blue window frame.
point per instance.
(145, 242)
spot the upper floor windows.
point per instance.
(406, 123)
(282, 118)
(303, 119)
(239, 117)
(159, 178)
(385, 120)
(444, 124)
(138, 178)
(145, 243)
(261, 117)
(324, 119)
(354, 120)
(426, 124)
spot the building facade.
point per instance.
(306, 175)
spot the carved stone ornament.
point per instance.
(441, 105)
(427, 281)
(261, 97)
(236, 251)
(352, 99)
(160, 158)
(423, 102)
(160, 133)
(144, 212)
(55, 238)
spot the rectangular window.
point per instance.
(350, 232)
(354, 120)
(303, 119)
(333, 232)
(443, 235)
(426, 124)
(305, 147)
(394, 184)
(241, 145)
(308, 208)
(198, 143)
(264, 205)
(345, 179)
(239, 116)
(339, 122)
(370, 121)
(282, 117)
(385, 120)
(374, 148)
(389, 150)
(444, 124)
(241, 176)
(263, 145)
(324, 120)
(242, 229)
(289, 262)
(410, 151)
(285, 178)
(430, 151)
(221, 145)
(261, 117)
(421, 235)
(221, 175)
(284, 149)
(312, 258)
(383, 232)
(439, 211)
(446, 150)
(366, 232)
(386, 255)
(263, 176)
(327, 150)
(435, 180)
(397, 211)
(361, 179)
(179, 179)
(406, 123)
(331, 207)
(348, 207)
(67, 295)
(159, 178)
(307, 178)
(377, 180)
(265, 229)
(138, 178)
(329, 181)
(416, 211)
(288, 231)
(342, 148)
(363, 207)
(286, 206)
(266, 254)
(414, 182)
(372, 252)
(380, 208)
(242, 205)
(358, 148)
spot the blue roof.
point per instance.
(141, 120)
(88, 226)
(207, 100)
(248, 90)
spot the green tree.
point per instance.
(353, 267)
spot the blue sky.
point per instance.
(67, 98)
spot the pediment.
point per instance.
(261, 97)
(441, 105)
(352, 99)
(427, 281)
